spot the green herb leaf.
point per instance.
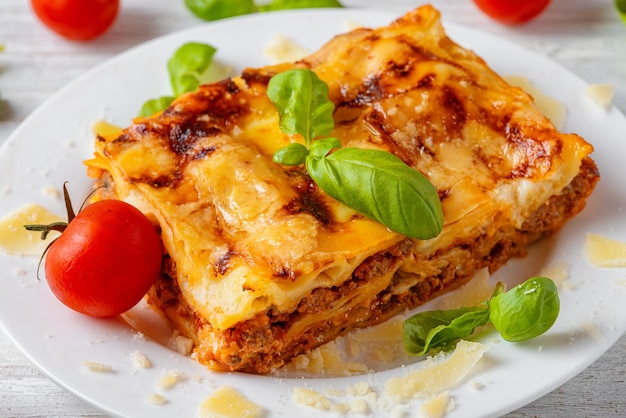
(186, 68)
(154, 106)
(298, 4)
(220, 9)
(187, 65)
(301, 99)
(373, 182)
(292, 154)
(437, 329)
(382, 187)
(321, 147)
(620, 5)
(526, 311)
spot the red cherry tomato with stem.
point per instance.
(512, 12)
(106, 259)
(77, 20)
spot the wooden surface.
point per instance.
(584, 36)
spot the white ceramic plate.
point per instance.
(48, 148)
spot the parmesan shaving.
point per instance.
(604, 252)
(140, 360)
(98, 367)
(601, 94)
(170, 380)
(227, 402)
(594, 332)
(438, 377)
(312, 398)
(16, 240)
(558, 272)
(156, 399)
(282, 49)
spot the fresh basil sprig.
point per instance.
(220, 9)
(620, 5)
(186, 68)
(524, 312)
(298, 4)
(375, 183)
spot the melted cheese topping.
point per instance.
(249, 236)
(549, 106)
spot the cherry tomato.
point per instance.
(78, 20)
(105, 260)
(512, 12)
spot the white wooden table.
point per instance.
(585, 36)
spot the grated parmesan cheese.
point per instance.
(98, 367)
(312, 398)
(140, 360)
(180, 344)
(156, 399)
(437, 406)
(170, 380)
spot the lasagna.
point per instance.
(262, 265)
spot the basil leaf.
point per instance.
(301, 99)
(186, 67)
(220, 9)
(153, 106)
(321, 147)
(620, 5)
(526, 311)
(382, 187)
(436, 329)
(298, 4)
(187, 64)
(292, 154)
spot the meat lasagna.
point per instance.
(261, 265)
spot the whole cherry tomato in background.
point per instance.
(77, 20)
(105, 260)
(512, 12)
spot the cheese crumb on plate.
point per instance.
(605, 252)
(227, 402)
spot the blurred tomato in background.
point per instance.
(512, 12)
(77, 20)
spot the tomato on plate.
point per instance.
(78, 20)
(106, 259)
(512, 12)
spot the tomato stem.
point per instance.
(46, 229)
(68, 204)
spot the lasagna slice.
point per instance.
(262, 265)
